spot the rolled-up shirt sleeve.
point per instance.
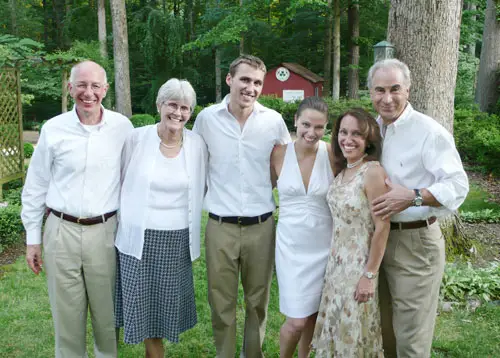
(441, 158)
(35, 190)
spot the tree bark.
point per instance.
(120, 55)
(487, 93)
(13, 17)
(327, 63)
(470, 48)
(218, 84)
(426, 34)
(64, 90)
(336, 51)
(101, 19)
(353, 76)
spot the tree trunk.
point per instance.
(218, 84)
(470, 48)
(327, 63)
(120, 55)
(13, 17)
(64, 90)
(426, 35)
(353, 76)
(242, 39)
(487, 93)
(336, 51)
(101, 19)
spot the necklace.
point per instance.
(171, 146)
(357, 162)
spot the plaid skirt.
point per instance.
(155, 295)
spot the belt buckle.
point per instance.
(78, 220)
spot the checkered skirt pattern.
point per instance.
(155, 295)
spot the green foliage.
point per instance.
(28, 150)
(11, 226)
(141, 120)
(477, 136)
(13, 49)
(13, 196)
(478, 199)
(483, 216)
(464, 281)
(335, 108)
(466, 79)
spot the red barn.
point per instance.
(291, 82)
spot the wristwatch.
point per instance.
(418, 201)
(369, 275)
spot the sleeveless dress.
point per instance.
(346, 328)
(303, 233)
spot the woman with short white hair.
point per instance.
(163, 183)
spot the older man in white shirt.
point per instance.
(426, 181)
(240, 134)
(74, 175)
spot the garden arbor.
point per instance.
(11, 127)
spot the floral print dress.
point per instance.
(345, 327)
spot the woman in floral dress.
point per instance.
(348, 323)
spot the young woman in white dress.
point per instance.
(302, 171)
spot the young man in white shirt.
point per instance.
(74, 174)
(240, 134)
(426, 181)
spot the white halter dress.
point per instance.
(303, 234)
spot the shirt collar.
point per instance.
(401, 121)
(77, 120)
(257, 107)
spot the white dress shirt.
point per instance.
(139, 157)
(419, 153)
(239, 179)
(74, 169)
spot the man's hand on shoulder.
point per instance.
(34, 258)
(397, 199)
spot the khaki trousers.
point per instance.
(409, 284)
(80, 262)
(231, 248)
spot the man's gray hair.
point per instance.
(75, 68)
(176, 90)
(390, 63)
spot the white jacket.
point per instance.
(138, 161)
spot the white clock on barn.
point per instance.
(282, 74)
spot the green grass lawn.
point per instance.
(478, 199)
(26, 323)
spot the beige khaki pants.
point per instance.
(231, 248)
(80, 262)
(409, 283)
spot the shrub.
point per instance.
(11, 227)
(13, 196)
(28, 150)
(141, 120)
(482, 216)
(477, 136)
(31, 126)
(463, 281)
(336, 108)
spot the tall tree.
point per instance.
(336, 51)
(101, 19)
(13, 16)
(353, 75)
(121, 59)
(487, 93)
(327, 65)
(426, 35)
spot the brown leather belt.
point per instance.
(241, 220)
(83, 221)
(413, 224)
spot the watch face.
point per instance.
(418, 201)
(369, 275)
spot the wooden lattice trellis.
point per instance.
(11, 128)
